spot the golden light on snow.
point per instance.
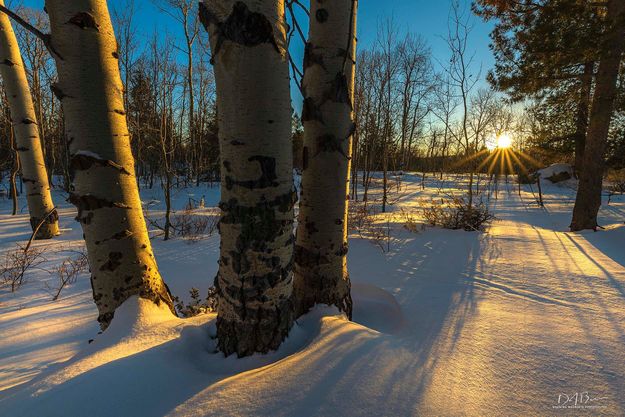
(502, 141)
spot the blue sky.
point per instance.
(425, 17)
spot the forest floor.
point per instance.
(523, 319)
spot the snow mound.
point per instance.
(149, 362)
(556, 172)
(376, 309)
(138, 325)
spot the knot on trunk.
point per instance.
(242, 26)
(84, 20)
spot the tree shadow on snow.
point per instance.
(328, 366)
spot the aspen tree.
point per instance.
(26, 134)
(321, 274)
(254, 282)
(104, 187)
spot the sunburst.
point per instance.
(501, 141)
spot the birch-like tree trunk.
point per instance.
(321, 274)
(26, 133)
(254, 282)
(588, 199)
(104, 187)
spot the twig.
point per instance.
(297, 2)
(45, 38)
(296, 71)
(294, 20)
(32, 236)
(351, 34)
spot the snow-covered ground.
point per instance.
(515, 321)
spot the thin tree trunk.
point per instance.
(195, 158)
(321, 275)
(26, 132)
(384, 172)
(255, 277)
(14, 170)
(582, 115)
(167, 176)
(167, 204)
(104, 186)
(588, 198)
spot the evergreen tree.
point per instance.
(547, 48)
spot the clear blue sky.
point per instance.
(425, 17)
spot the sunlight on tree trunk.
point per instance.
(104, 187)
(26, 134)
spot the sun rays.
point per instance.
(499, 157)
(505, 160)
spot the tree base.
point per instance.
(47, 231)
(46, 227)
(260, 331)
(306, 297)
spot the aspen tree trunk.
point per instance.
(255, 280)
(104, 187)
(321, 245)
(588, 199)
(26, 133)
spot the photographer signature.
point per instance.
(579, 400)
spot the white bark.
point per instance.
(104, 187)
(254, 282)
(28, 143)
(321, 246)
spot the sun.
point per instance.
(503, 141)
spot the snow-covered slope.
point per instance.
(511, 322)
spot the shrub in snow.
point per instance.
(197, 306)
(410, 222)
(361, 218)
(380, 234)
(454, 213)
(193, 226)
(615, 183)
(191, 223)
(15, 264)
(67, 273)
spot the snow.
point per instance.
(445, 323)
(555, 169)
